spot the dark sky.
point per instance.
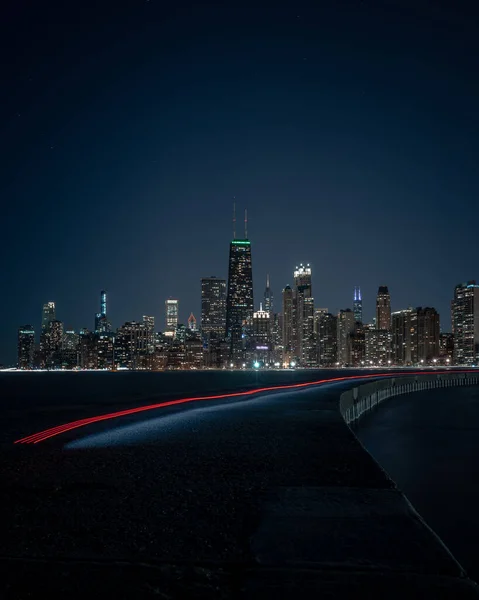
(349, 130)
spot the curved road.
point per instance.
(204, 494)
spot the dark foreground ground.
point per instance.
(268, 498)
(428, 442)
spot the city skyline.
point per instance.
(302, 280)
(232, 334)
(349, 152)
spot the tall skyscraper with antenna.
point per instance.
(102, 325)
(357, 305)
(239, 300)
(268, 297)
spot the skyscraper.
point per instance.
(404, 333)
(268, 298)
(239, 300)
(383, 309)
(213, 307)
(149, 323)
(26, 347)
(303, 317)
(427, 334)
(53, 344)
(262, 334)
(357, 305)
(327, 339)
(378, 347)
(345, 330)
(48, 314)
(102, 324)
(70, 348)
(103, 302)
(466, 323)
(287, 324)
(171, 314)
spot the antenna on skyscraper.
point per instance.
(234, 218)
(245, 224)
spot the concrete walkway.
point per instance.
(268, 498)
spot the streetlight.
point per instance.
(256, 365)
(231, 365)
(293, 364)
(276, 364)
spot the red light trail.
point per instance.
(41, 436)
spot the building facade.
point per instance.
(378, 347)
(268, 297)
(383, 309)
(357, 305)
(262, 336)
(304, 349)
(346, 324)
(239, 301)
(171, 314)
(213, 307)
(327, 339)
(465, 311)
(48, 314)
(131, 344)
(102, 325)
(428, 329)
(70, 349)
(403, 337)
(288, 330)
(26, 347)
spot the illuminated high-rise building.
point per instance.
(357, 305)
(213, 307)
(288, 312)
(26, 347)
(268, 298)
(132, 345)
(466, 323)
(149, 323)
(358, 345)
(52, 344)
(103, 302)
(345, 330)
(404, 333)
(327, 339)
(239, 300)
(48, 314)
(383, 309)
(378, 347)
(262, 334)
(303, 317)
(70, 348)
(428, 329)
(102, 325)
(171, 314)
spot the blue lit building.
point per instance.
(357, 305)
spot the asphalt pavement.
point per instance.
(271, 496)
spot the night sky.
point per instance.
(349, 130)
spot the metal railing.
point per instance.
(361, 399)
